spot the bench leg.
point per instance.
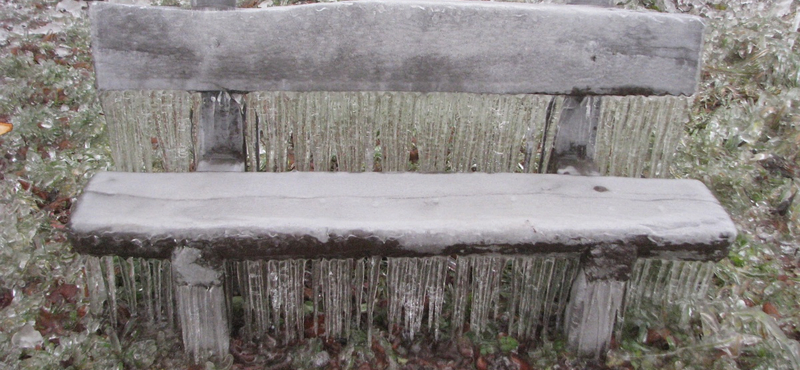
(201, 306)
(596, 298)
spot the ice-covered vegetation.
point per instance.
(742, 140)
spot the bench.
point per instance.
(200, 220)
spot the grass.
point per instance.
(742, 141)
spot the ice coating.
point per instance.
(480, 47)
(277, 215)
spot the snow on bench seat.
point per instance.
(326, 215)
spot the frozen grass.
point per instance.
(742, 141)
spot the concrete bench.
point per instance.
(198, 219)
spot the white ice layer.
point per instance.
(424, 212)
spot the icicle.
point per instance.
(373, 276)
(660, 286)
(129, 283)
(358, 289)
(539, 294)
(566, 271)
(203, 307)
(461, 292)
(95, 282)
(158, 291)
(111, 284)
(230, 281)
(169, 294)
(335, 277)
(294, 314)
(434, 291)
(486, 274)
(252, 285)
(386, 131)
(272, 292)
(411, 282)
(150, 130)
(146, 278)
(637, 136)
(316, 277)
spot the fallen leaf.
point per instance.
(308, 326)
(520, 363)
(50, 37)
(48, 323)
(481, 363)
(250, 4)
(63, 293)
(82, 65)
(771, 310)
(659, 338)
(465, 347)
(776, 163)
(240, 353)
(381, 360)
(6, 296)
(5, 128)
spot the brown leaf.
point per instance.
(413, 155)
(64, 144)
(381, 361)
(50, 37)
(481, 363)
(82, 310)
(781, 165)
(520, 363)
(63, 293)
(24, 184)
(39, 192)
(465, 348)
(5, 128)
(6, 296)
(771, 310)
(250, 4)
(659, 338)
(240, 353)
(308, 326)
(82, 65)
(48, 323)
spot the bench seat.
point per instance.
(327, 215)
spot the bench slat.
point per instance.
(319, 215)
(421, 46)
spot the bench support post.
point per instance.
(596, 298)
(200, 291)
(201, 304)
(220, 136)
(575, 139)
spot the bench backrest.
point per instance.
(420, 46)
(366, 56)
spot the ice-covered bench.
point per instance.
(198, 219)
